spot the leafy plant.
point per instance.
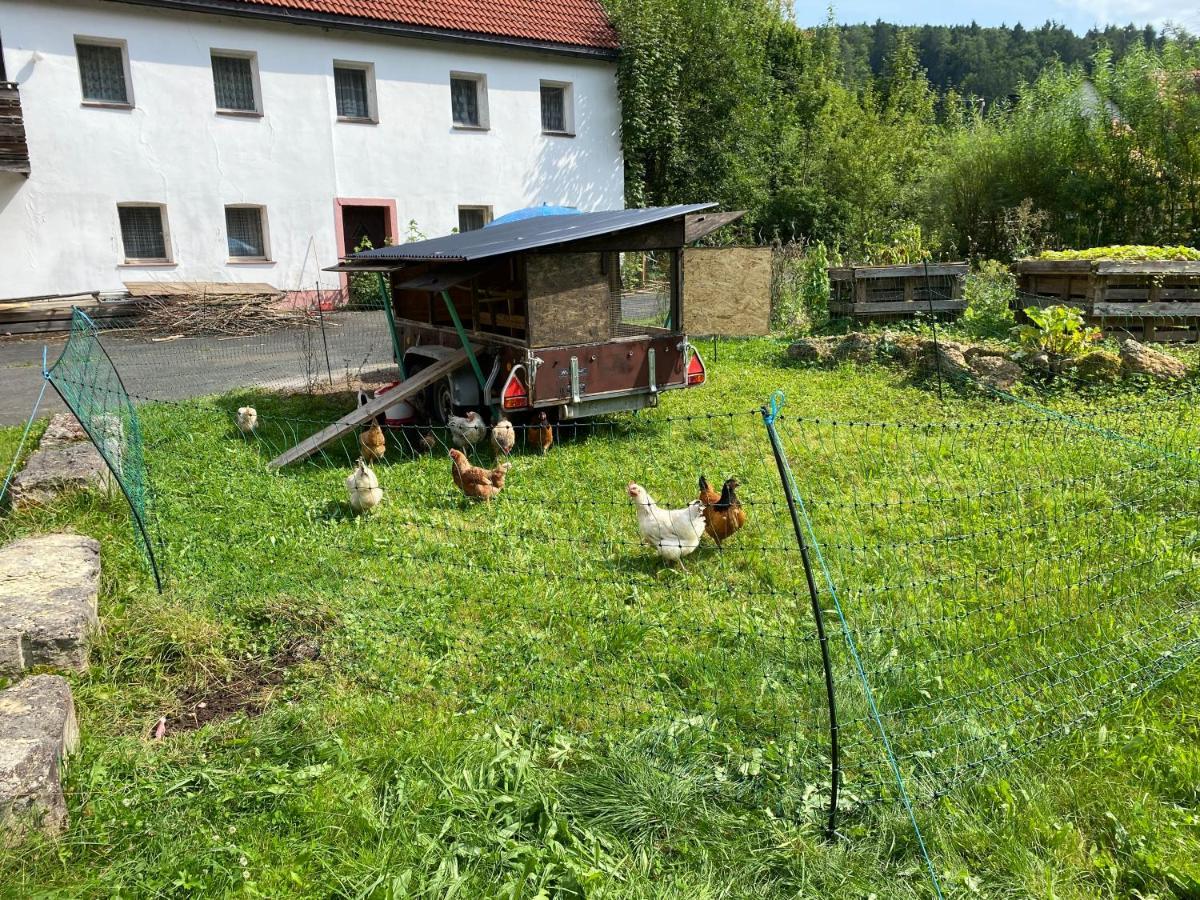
(364, 288)
(1126, 251)
(990, 292)
(1056, 330)
(800, 300)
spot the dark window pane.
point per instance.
(464, 100)
(350, 86)
(142, 232)
(233, 79)
(471, 218)
(244, 231)
(553, 109)
(102, 71)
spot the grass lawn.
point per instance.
(517, 700)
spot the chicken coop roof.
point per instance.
(526, 234)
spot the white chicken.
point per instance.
(674, 533)
(247, 419)
(363, 488)
(466, 431)
(504, 436)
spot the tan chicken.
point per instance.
(540, 434)
(723, 513)
(477, 483)
(372, 442)
(363, 488)
(247, 419)
(504, 436)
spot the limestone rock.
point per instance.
(1139, 359)
(37, 731)
(1098, 364)
(52, 470)
(995, 371)
(48, 591)
(812, 350)
(64, 428)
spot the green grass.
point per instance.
(517, 700)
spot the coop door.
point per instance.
(727, 290)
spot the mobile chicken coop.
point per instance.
(578, 315)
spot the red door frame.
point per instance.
(339, 224)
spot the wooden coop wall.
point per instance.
(568, 298)
(727, 290)
(1149, 301)
(897, 292)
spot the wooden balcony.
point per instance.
(14, 151)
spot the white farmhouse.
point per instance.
(259, 140)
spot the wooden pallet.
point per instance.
(895, 292)
(55, 313)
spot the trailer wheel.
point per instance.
(440, 402)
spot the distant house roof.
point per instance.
(555, 24)
(525, 234)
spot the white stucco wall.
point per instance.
(59, 230)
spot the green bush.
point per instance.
(1057, 330)
(990, 292)
(800, 293)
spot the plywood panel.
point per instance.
(727, 290)
(568, 299)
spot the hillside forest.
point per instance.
(886, 143)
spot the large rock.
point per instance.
(48, 590)
(63, 429)
(52, 470)
(37, 731)
(1138, 359)
(995, 371)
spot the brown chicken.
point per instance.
(540, 434)
(475, 482)
(723, 513)
(372, 442)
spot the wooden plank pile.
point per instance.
(14, 150)
(1155, 300)
(49, 314)
(894, 292)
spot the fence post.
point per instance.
(769, 414)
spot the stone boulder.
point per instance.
(48, 593)
(37, 732)
(63, 429)
(995, 371)
(1138, 359)
(1098, 364)
(50, 471)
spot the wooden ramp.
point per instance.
(348, 422)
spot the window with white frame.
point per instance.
(557, 111)
(235, 81)
(468, 100)
(472, 218)
(103, 71)
(144, 234)
(354, 90)
(246, 233)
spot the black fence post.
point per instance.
(769, 415)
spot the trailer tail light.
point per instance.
(515, 395)
(695, 370)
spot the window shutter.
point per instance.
(102, 73)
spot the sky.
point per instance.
(1079, 15)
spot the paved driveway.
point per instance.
(355, 344)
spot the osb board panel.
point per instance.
(727, 290)
(568, 298)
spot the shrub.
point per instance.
(990, 292)
(1057, 330)
(800, 293)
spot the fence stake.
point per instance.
(324, 339)
(937, 352)
(769, 413)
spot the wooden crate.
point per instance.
(895, 292)
(1150, 301)
(14, 151)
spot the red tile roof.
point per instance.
(580, 23)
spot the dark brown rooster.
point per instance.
(540, 434)
(723, 513)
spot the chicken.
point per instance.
(723, 513)
(674, 533)
(247, 419)
(504, 436)
(475, 482)
(363, 488)
(466, 431)
(427, 442)
(540, 434)
(372, 442)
